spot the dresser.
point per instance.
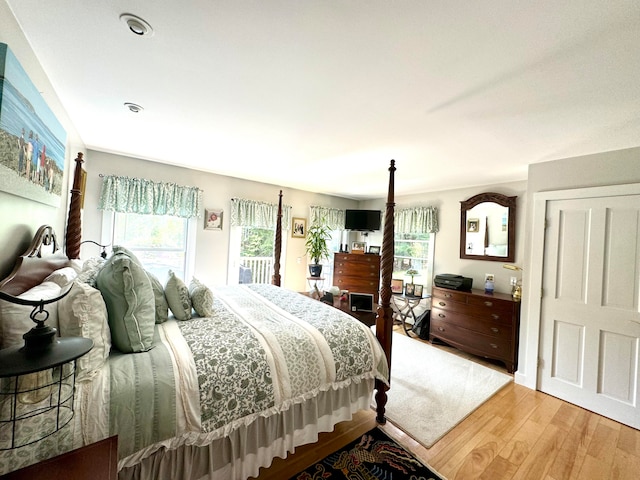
(480, 323)
(357, 273)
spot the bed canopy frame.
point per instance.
(384, 317)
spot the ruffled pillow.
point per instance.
(178, 298)
(201, 298)
(90, 269)
(82, 313)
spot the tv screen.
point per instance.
(365, 220)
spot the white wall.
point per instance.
(20, 216)
(447, 246)
(212, 246)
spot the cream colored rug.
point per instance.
(432, 390)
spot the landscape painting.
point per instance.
(32, 141)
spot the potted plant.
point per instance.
(316, 244)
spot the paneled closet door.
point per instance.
(590, 325)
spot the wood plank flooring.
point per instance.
(518, 434)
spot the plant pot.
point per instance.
(315, 270)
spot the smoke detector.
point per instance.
(133, 107)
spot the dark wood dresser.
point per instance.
(479, 323)
(357, 273)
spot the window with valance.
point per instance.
(142, 196)
(251, 213)
(332, 217)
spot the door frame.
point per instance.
(529, 353)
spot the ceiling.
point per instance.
(321, 94)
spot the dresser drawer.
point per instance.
(492, 329)
(448, 295)
(355, 282)
(356, 270)
(502, 313)
(485, 345)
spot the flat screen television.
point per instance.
(364, 220)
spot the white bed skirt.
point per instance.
(248, 448)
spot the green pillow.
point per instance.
(201, 298)
(128, 295)
(178, 298)
(162, 307)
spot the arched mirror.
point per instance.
(488, 227)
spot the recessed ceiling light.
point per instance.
(137, 25)
(133, 107)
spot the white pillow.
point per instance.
(201, 298)
(15, 320)
(63, 276)
(82, 313)
(90, 269)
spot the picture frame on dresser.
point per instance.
(375, 249)
(397, 285)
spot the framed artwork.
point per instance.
(358, 247)
(298, 227)
(473, 225)
(397, 286)
(409, 290)
(212, 219)
(417, 290)
(374, 249)
(33, 141)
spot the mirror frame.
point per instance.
(505, 201)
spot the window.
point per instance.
(414, 251)
(161, 242)
(256, 253)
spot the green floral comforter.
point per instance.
(266, 348)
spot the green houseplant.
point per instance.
(316, 244)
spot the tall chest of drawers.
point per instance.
(476, 322)
(357, 273)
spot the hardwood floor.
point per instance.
(518, 434)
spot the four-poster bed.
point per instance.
(220, 439)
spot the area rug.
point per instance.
(374, 456)
(432, 390)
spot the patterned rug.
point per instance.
(374, 456)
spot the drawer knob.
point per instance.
(488, 303)
(441, 315)
(495, 316)
(442, 304)
(447, 295)
(441, 329)
(495, 330)
(493, 345)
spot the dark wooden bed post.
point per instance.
(384, 318)
(74, 225)
(275, 279)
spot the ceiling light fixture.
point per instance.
(137, 25)
(133, 107)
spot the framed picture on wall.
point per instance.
(473, 225)
(299, 227)
(212, 219)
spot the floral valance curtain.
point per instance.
(332, 217)
(416, 220)
(249, 213)
(138, 195)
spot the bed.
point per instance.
(263, 370)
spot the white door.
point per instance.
(590, 317)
